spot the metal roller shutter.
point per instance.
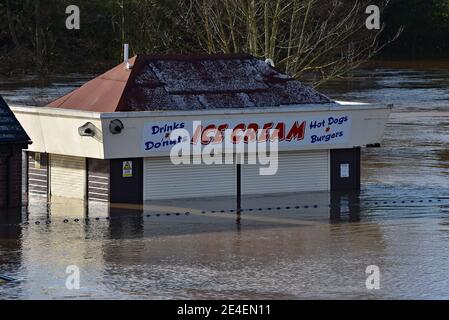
(37, 173)
(297, 172)
(67, 176)
(164, 180)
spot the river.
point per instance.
(399, 222)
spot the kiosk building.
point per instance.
(105, 140)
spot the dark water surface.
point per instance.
(400, 224)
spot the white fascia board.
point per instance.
(340, 106)
(70, 113)
(230, 111)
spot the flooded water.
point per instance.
(284, 247)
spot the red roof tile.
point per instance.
(175, 82)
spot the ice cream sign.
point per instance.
(289, 131)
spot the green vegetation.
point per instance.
(426, 29)
(327, 38)
(33, 36)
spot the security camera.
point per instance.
(87, 130)
(116, 126)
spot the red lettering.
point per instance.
(219, 136)
(222, 128)
(197, 134)
(235, 138)
(297, 131)
(265, 135)
(207, 137)
(280, 128)
(251, 132)
(212, 133)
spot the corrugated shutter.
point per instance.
(98, 180)
(297, 172)
(163, 180)
(68, 176)
(37, 173)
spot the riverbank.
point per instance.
(413, 64)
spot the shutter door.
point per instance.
(297, 172)
(68, 176)
(164, 180)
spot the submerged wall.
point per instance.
(11, 175)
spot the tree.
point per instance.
(328, 38)
(426, 28)
(325, 37)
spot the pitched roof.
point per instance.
(175, 82)
(10, 129)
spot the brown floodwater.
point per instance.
(295, 246)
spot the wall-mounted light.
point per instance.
(87, 130)
(116, 126)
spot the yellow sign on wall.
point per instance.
(127, 169)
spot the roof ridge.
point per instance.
(196, 57)
(129, 81)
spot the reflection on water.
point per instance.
(345, 202)
(318, 250)
(32, 90)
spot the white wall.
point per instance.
(56, 130)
